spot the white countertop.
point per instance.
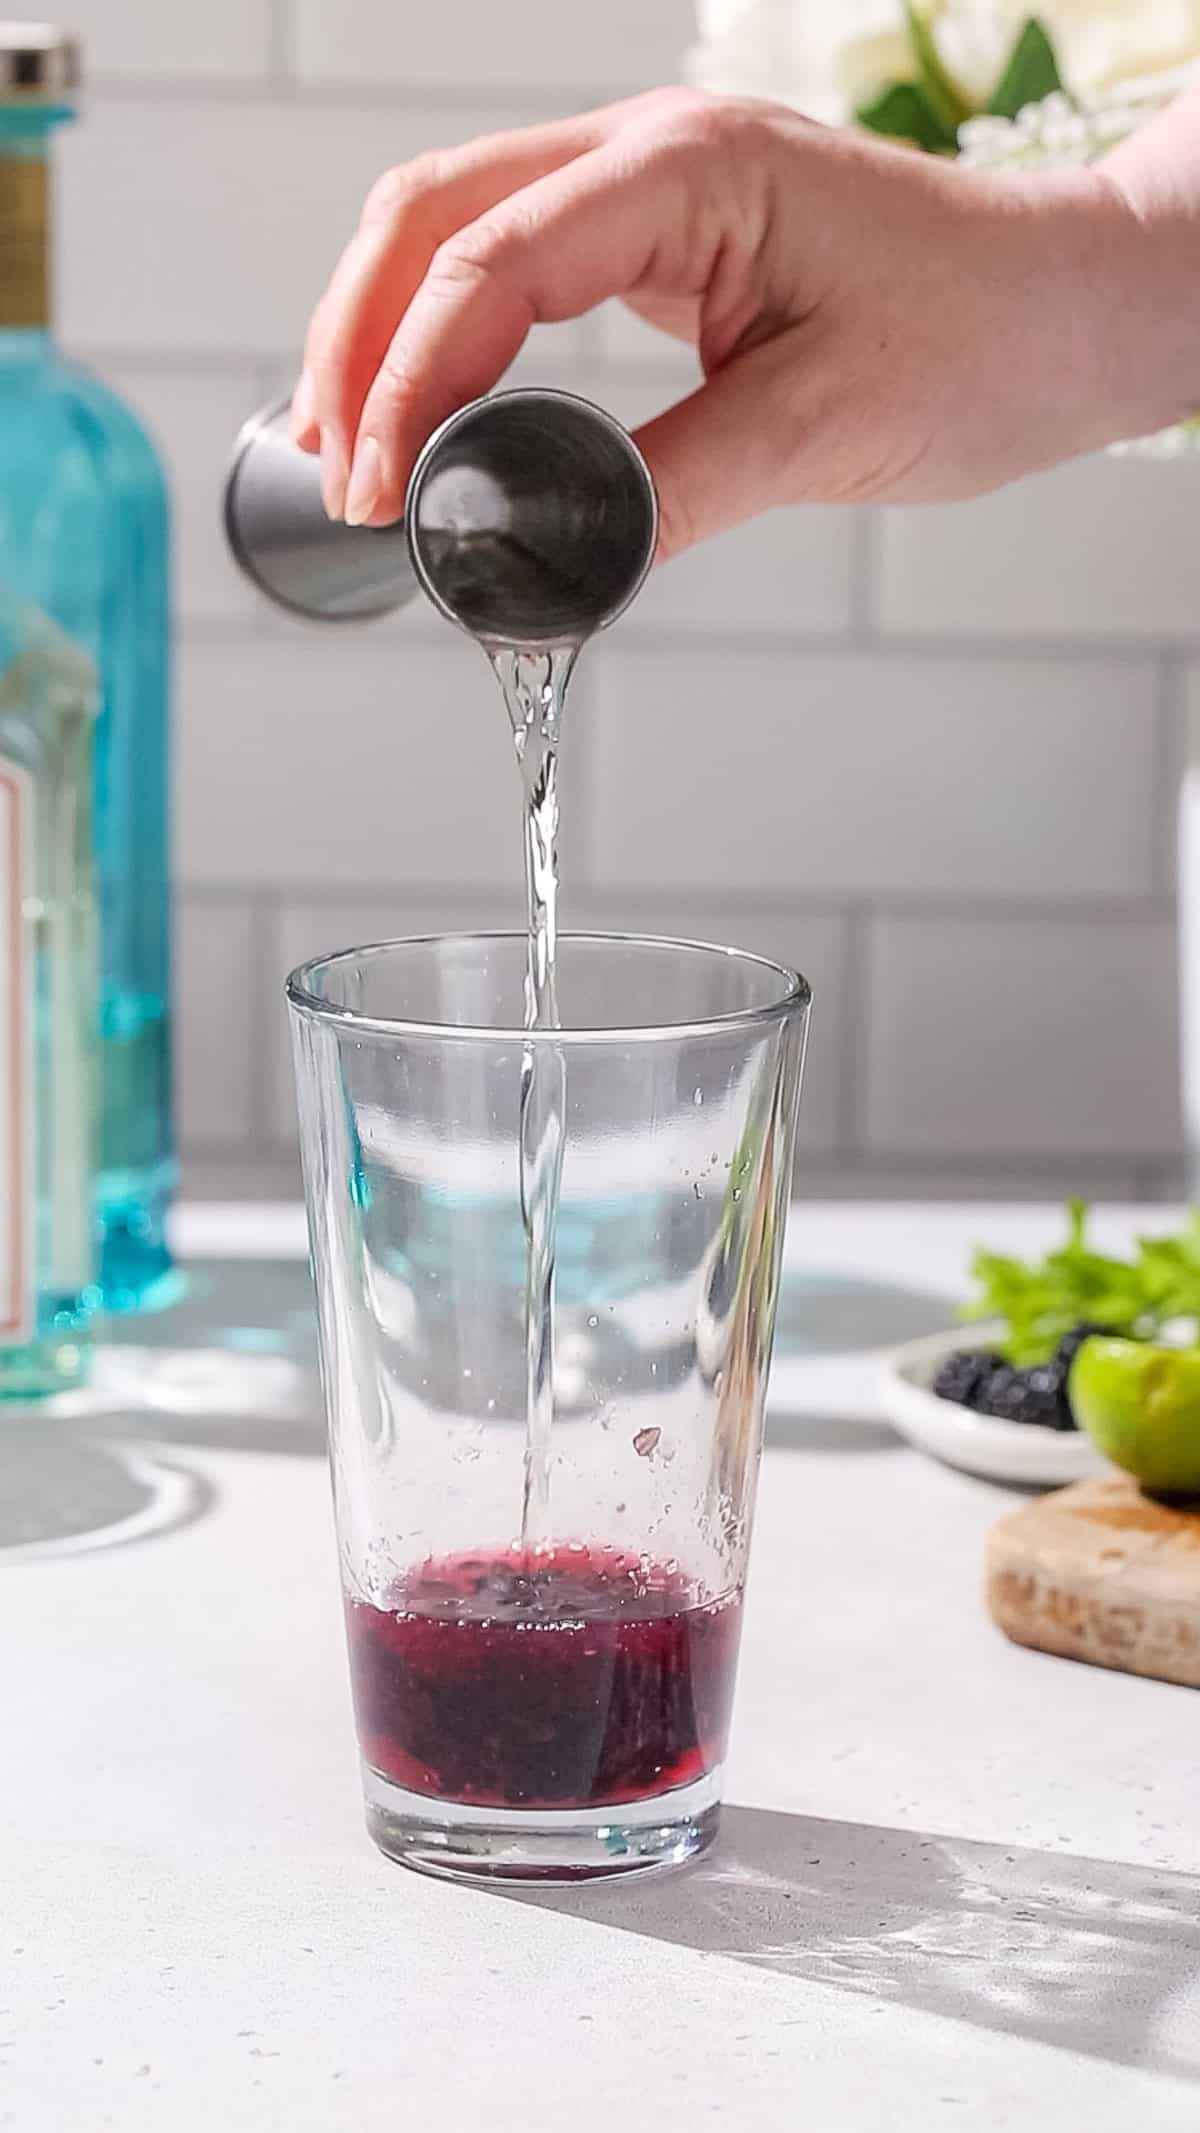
(956, 1888)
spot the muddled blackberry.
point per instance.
(981, 1380)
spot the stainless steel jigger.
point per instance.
(530, 521)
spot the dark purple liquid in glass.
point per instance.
(578, 1677)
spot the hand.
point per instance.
(871, 323)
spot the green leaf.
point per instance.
(904, 113)
(1031, 74)
(1038, 1303)
(942, 93)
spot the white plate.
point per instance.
(978, 1444)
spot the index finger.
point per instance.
(600, 227)
(407, 214)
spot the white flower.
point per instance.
(828, 56)
(1098, 43)
(823, 56)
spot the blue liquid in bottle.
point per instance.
(84, 537)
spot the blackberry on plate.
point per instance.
(1070, 1344)
(981, 1380)
(1029, 1396)
(964, 1373)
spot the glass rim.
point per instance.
(795, 996)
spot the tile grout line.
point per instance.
(987, 1163)
(579, 843)
(507, 104)
(659, 640)
(1169, 758)
(864, 576)
(626, 898)
(281, 45)
(853, 1036)
(266, 1002)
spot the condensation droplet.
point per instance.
(698, 1098)
(593, 1320)
(737, 1192)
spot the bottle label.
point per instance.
(24, 241)
(17, 1189)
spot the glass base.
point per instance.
(588, 1844)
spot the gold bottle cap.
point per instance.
(38, 61)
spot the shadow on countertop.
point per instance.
(833, 1314)
(1083, 1954)
(229, 1365)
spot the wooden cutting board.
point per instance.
(1099, 1572)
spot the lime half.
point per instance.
(1140, 1405)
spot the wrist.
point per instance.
(1138, 273)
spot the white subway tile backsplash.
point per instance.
(1102, 549)
(319, 924)
(628, 342)
(300, 760)
(1022, 1036)
(555, 43)
(1018, 1180)
(785, 572)
(550, 356)
(815, 944)
(635, 400)
(221, 38)
(212, 227)
(216, 1023)
(956, 845)
(193, 416)
(783, 773)
(209, 1177)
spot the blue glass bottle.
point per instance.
(84, 538)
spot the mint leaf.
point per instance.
(941, 93)
(1040, 1302)
(1031, 74)
(904, 113)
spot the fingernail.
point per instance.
(303, 405)
(366, 481)
(334, 474)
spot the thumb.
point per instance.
(726, 452)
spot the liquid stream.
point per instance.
(534, 687)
